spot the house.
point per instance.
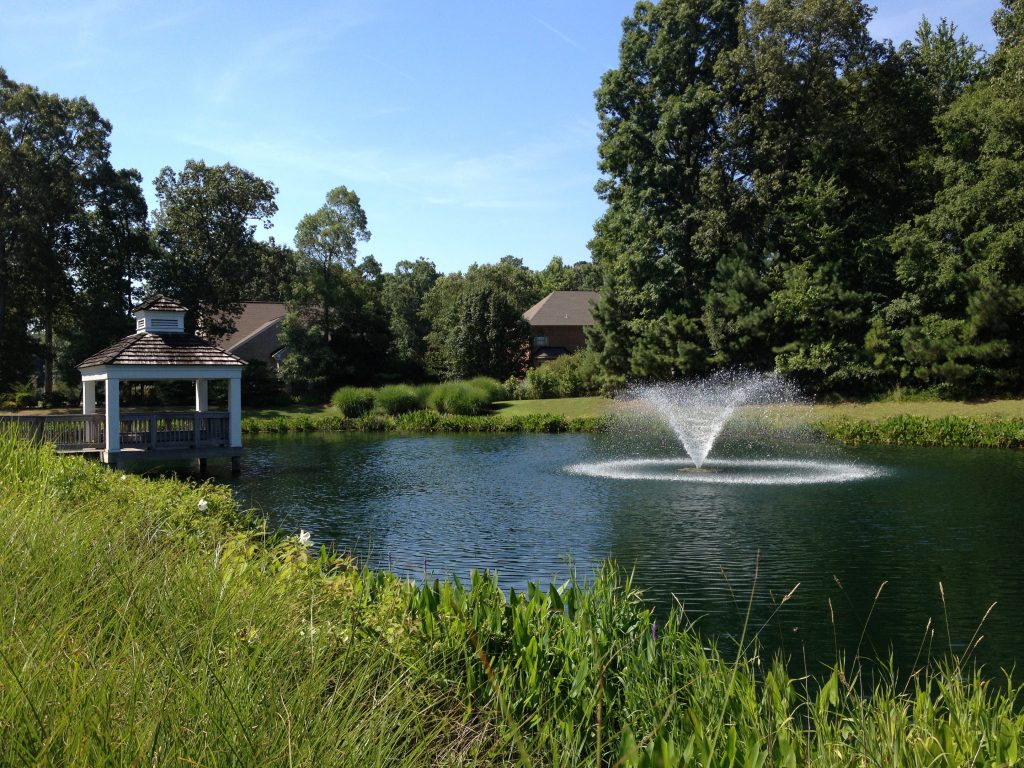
(257, 333)
(557, 322)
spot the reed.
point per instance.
(924, 431)
(423, 421)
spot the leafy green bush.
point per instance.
(353, 401)
(395, 399)
(460, 398)
(575, 375)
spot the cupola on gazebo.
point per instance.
(161, 350)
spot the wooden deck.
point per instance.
(185, 435)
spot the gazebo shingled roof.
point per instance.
(161, 349)
(159, 303)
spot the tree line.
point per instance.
(785, 192)
(78, 248)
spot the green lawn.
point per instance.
(569, 407)
(932, 409)
(599, 406)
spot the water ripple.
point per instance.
(729, 471)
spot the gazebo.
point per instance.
(161, 350)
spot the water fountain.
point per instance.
(697, 411)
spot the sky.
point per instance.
(467, 128)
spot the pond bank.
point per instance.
(149, 620)
(948, 431)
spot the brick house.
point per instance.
(557, 322)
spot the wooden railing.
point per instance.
(71, 432)
(146, 431)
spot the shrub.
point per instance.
(353, 401)
(423, 392)
(261, 385)
(575, 375)
(395, 399)
(495, 389)
(460, 398)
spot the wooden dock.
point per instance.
(144, 436)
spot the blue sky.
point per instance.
(467, 128)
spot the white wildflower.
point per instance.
(305, 538)
(203, 505)
(124, 476)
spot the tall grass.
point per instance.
(422, 421)
(945, 431)
(149, 622)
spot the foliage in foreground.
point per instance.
(144, 621)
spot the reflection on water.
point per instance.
(434, 505)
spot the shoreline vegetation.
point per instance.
(999, 424)
(153, 621)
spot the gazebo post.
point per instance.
(88, 398)
(235, 411)
(113, 419)
(235, 419)
(202, 396)
(89, 409)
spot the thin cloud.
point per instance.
(558, 33)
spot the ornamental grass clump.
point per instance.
(396, 399)
(353, 401)
(459, 398)
(495, 389)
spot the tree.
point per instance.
(110, 254)
(660, 117)
(476, 320)
(335, 330)
(68, 221)
(205, 252)
(402, 296)
(959, 323)
(751, 149)
(559, 276)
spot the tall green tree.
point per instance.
(476, 320)
(959, 323)
(661, 117)
(205, 251)
(559, 276)
(64, 210)
(402, 297)
(336, 330)
(756, 157)
(109, 257)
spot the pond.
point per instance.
(438, 505)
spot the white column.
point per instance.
(235, 411)
(113, 422)
(88, 397)
(202, 396)
(89, 409)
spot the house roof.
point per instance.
(563, 308)
(161, 349)
(159, 303)
(256, 317)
